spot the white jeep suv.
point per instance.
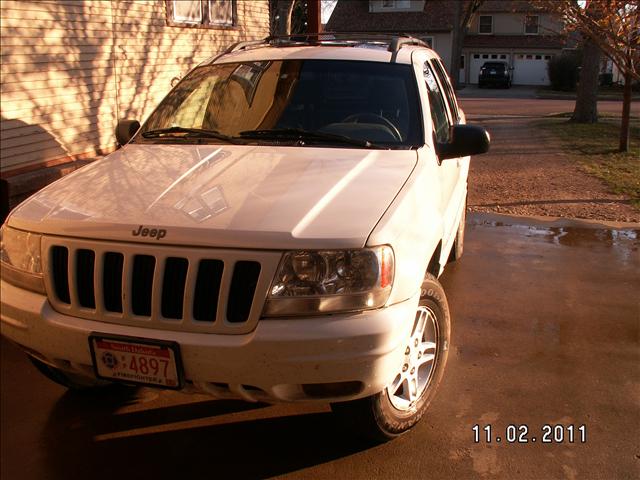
(273, 232)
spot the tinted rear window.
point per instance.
(497, 66)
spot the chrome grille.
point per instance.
(186, 289)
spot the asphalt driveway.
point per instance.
(545, 332)
(523, 102)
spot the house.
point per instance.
(521, 33)
(71, 69)
(429, 20)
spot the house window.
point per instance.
(531, 24)
(503, 57)
(188, 12)
(202, 13)
(462, 61)
(485, 24)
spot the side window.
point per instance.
(437, 106)
(448, 90)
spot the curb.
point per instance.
(482, 218)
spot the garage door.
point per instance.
(478, 59)
(530, 69)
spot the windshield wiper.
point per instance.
(300, 134)
(189, 133)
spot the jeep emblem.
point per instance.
(156, 233)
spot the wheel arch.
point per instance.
(434, 266)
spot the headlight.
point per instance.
(20, 259)
(329, 281)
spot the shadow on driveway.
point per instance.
(211, 438)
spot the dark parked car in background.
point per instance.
(495, 73)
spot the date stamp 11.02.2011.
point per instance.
(522, 433)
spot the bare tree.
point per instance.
(586, 108)
(464, 13)
(281, 11)
(616, 30)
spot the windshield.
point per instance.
(278, 100)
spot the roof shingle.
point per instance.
(436, 16)
(354, 16)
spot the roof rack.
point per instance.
(393, 42)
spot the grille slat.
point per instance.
(71, 272)
(200, 290)
(113, 266)
(60, 269)
(243, 287)
(142, 284)
(173, 283)
(207, 290)
(84, 273)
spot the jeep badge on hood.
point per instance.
(158, 233)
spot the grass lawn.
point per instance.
(604, 93)
(594, 147)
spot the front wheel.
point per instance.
(403, 402)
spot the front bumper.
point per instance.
(271, 363)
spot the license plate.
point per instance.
(492, 72)
(136, 360)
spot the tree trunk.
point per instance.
(586, 109)
(626, 113)
(456, 42)
(282, 17)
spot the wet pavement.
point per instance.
(546, 331)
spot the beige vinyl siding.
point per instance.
(70, 69)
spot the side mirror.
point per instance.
(465, 140)
(125, 130)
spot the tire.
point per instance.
(458, 244)
(67, 379)
(395, 410)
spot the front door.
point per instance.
(448, 170)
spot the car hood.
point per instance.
(224, 196)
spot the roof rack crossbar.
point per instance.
(242, 45)
(398, 42)
(394, 41)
